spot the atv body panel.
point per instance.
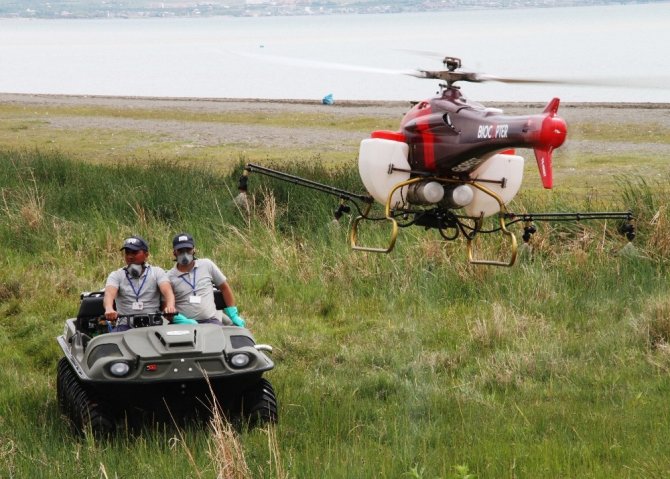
(160, 369)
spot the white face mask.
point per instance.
(135, 270)
(184, 258)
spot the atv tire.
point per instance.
(259, 404)
(63, 366)
(84, 411)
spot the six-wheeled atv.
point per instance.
(160, 371)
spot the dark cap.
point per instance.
(183, 240)
(135, 243)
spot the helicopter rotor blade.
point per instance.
(629, 82)
(661, 82)
(297, 62)
(445, 75)
(451, 76)
(486, 78)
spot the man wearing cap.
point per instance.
(192, 281)
(138, 287)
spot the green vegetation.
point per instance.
(171, 8)
(277, 118)
(47, 127)
(412, 364)
(631, 132)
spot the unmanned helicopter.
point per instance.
(451, 164)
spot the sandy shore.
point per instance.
(351, 107)
(206, 133)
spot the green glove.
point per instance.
(231, 312)
(181, 319)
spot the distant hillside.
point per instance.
(180, 8)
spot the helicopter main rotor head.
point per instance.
(451, 63)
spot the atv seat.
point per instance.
(90, 308)
(91, 305)
(218, 299)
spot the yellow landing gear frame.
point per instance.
(388, 213)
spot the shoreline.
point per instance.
(47, 98)
(245, 124)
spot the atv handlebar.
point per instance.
(139, 320)
(142, 320)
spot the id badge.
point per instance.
(138, 306)
(194, 299)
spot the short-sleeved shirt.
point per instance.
(197, 282)
(144, 289)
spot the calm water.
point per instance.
(236, 57)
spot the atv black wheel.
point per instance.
(81, 406)
(259, 404)
(63, 366)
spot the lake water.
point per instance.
(237, 57)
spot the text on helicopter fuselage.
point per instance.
(492, 131)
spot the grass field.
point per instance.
(413, 364)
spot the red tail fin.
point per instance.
(552, 135)
(543, 157)
(552, 106)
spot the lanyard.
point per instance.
(192, 285)
(139, 290)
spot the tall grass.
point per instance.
(413, 364)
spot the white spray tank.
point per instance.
(504, 169)
(377, 159)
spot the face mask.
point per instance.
(184, 258)
(134, 270)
